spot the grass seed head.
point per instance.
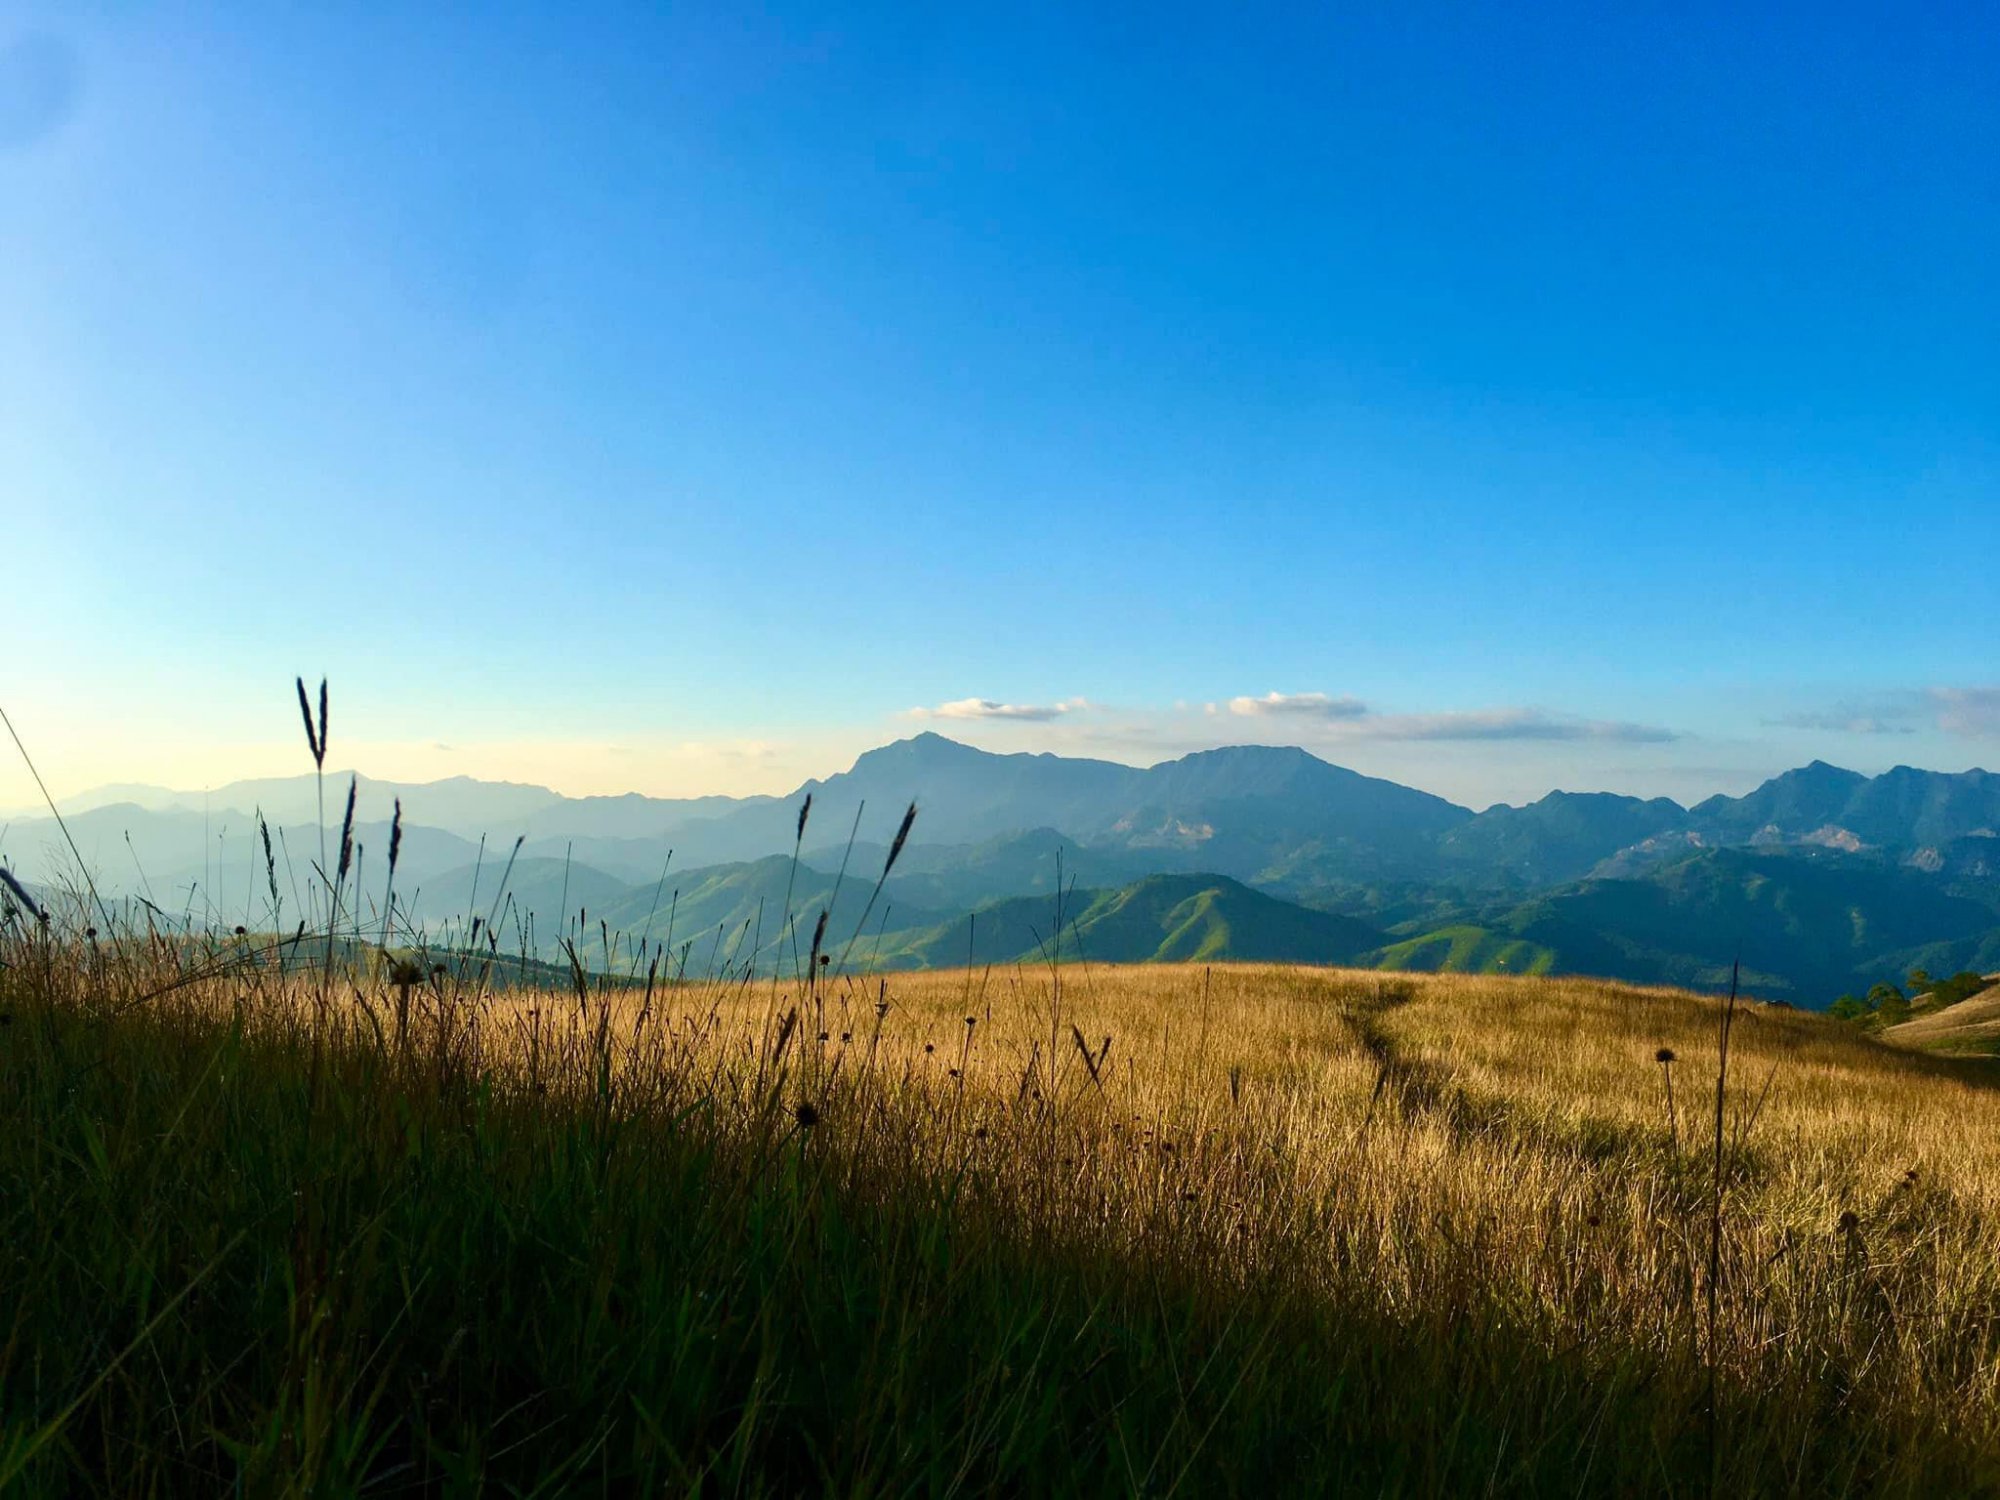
(313, 743)
(347, 834)
(902, 837)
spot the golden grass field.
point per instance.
(1224, 1229)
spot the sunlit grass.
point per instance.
(1073, 1229)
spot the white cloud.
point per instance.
(1299, 705)
(987, 708)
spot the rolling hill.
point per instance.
(1805, 927)
(1468, 949)
(1163, 918)
(1970, 1028)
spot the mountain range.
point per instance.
(1821, 879)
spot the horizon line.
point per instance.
(67, 803)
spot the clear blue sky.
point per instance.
(1571, 395)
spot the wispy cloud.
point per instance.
(740, 751)
(1509, 724)
(1299, 705)
(1319, 718)
(1841, 721)
(1969, 711)
(987, 708)
(1347, 718)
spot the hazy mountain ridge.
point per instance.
(1564, 836)
(1254, 802)
(1840, 876)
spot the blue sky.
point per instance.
(1526, 397)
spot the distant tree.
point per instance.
(1961, 986)
(1920, 979)
(1849, 1008)
(1890, 1005)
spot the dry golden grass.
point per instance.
(1463, 1202)
(1528, 1114)
(1970, 1027)
(1415, 1126)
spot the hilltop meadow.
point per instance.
(285, 1226)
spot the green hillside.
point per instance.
(1822, 922)
(1188, 917)
(1163, 918)
(1804, 927)
(1468, 950)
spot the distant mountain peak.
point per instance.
(925, 749)
(1822, 771)
(930, 743)
(1256, 752)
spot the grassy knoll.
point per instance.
(1077, 1231)
(1969, 1028)
(1468, 950)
